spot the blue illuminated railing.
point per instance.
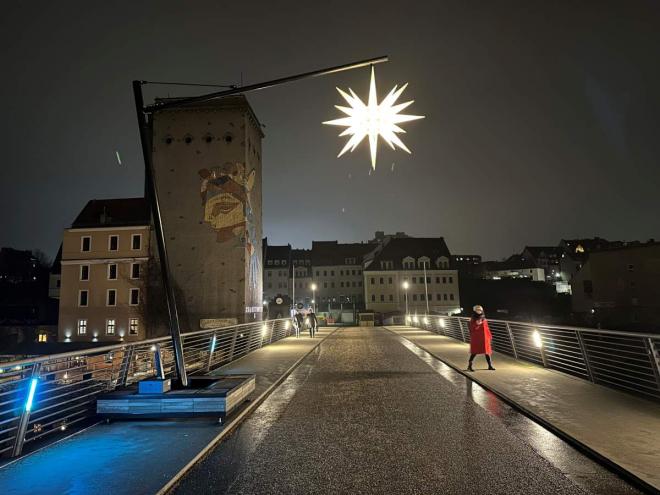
(49, 394)
(626, 361)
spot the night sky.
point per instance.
(542, 118)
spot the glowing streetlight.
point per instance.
(313, 287)
(373, 119)
(405, 286)
(536, 338)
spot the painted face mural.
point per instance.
(225, 192)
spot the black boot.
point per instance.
(490, 363)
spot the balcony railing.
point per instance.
(48, 394)
(626, 361)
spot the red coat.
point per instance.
(480, 337)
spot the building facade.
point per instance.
(104, 263)
(618, 288)
(412, 272)
(207, 161)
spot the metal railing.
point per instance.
(626, 361)
(48, 394)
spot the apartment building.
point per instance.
(338, 272)
(277, 260)
(416, 269)
(103, 268)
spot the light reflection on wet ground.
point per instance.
(582, 470)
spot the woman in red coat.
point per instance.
(479, 337)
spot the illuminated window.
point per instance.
(133, 326)
(110, 326)
(82, 327)
(43, 337)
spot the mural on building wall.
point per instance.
(226, 199)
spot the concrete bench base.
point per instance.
(207, 396)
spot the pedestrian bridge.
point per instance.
(356, 410)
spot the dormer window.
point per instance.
(424, 262)
(408, 263)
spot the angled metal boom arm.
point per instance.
(264, 85)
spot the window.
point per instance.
(111, 299)
(269, 262)
(113, 243)
(85, 243)
(341, 273)
(82, 298)
(428, 280)
(134, 298)
(136, 241)
(325, 273)
(135, 270)
(631, 268)
(451, 280)
(82, 327)
(373, 281)
(341, 284)
(451, 297)
(414, 280)
(277, 262)
(133, 326)
(112, 271)
(110, 326)
(389, 280)
(414, 297)
(84, 272)
(325, 285)
(43, 337)
(422, 297)
(360, 283)
(444, 296)
(391, 298)
(444, 280)
(437, 280)
(373, 297)
(382, 298)
(332, 273)
(381, 280)
(438, 297)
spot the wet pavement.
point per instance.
(368, 412)
(620, 427)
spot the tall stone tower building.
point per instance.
(207, 161)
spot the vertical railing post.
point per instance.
(583, 348)
(460, 324)
(19, 440)
(158, 363)
(513, 344)
(212, 343)
(655, 358)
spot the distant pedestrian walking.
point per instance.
(480, 337)
(313, 323)
(299, 323)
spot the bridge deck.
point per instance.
(620, 427)
(135, 457)
(364, 414)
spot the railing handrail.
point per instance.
(562, 327)
(119, 347)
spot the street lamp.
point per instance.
(313, 287)
(405, 288)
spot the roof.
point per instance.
(415, 247)
(113, 213)
(56, 267)
(537, 251)
(277, 252)
(332, 253)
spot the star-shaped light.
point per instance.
(373, 119)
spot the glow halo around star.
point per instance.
(373, 119)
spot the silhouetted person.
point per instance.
(480, 337)
(299, 323)
(313, 323)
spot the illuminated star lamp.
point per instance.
(373, 119)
